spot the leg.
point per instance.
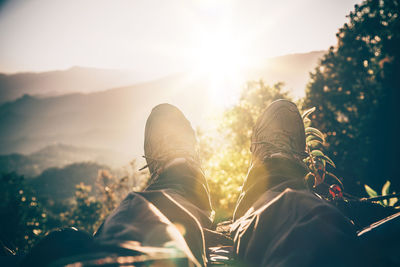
(152, 218)
(177, 197)
(289, 226)
(277, 221)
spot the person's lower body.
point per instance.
(276, 221)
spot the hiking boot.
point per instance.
(279, 133)
(277, 148)
(169, 139)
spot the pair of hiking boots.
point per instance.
(169, 137)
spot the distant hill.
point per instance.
(114, 119)
(60, 183)
(293, 69)
(73, 80)
(57, 155)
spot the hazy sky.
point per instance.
(160, 37)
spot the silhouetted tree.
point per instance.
(356, 89)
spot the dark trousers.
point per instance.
(170, 213)
(277, 222)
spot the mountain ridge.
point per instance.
(79, 79)
(59, 82)
(114, 119)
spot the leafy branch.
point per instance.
(317, 161)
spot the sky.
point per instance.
(160, 37)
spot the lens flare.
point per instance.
(220, 59)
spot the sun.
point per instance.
(219, 56)
(221, 60)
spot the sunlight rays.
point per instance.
(220, 60)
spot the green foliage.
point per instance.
(85, 212)
(22, 217)
(356, 88)
(371, 192)
(385, 192)
(112, 190)
(227, 154)
(25, 218)
(317, 160)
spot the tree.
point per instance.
(226, 154)
(355, 89)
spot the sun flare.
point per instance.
(221, 60)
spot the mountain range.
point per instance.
(61, 82)
(93, 111)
